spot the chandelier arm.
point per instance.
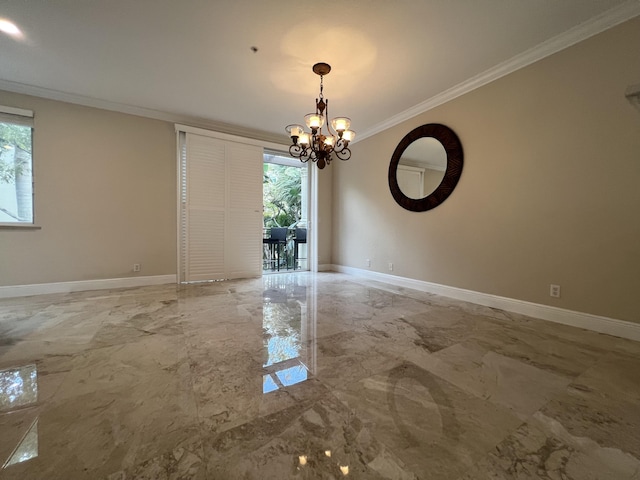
(297, 151)
(344, 154)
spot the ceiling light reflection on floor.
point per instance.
(317, 463)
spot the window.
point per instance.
(16, 166)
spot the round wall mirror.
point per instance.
(425, 167)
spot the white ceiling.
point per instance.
(192, 59)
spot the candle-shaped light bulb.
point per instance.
(348, 135)
(294, 130)
(330, 140)
(340, 124)
(314, 120)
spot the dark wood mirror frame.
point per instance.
(455, 156)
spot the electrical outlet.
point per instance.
(390, 267)
(368, 261)
(554, 291)
(137, 267)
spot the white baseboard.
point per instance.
(83, 285)
(610, 326)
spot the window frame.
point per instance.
(23, 117)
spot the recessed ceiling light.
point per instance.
(9, 28)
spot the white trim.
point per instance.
(76, 99)
(16, 111)
(598, 24)
(406, 182)
(281, 158)
(83, 285)
(610, 326)
(312, 230)
(179, 278)
(232, 138)
(327, 267)
(411, 168)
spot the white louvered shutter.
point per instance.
(205, 208)
(221, 216)
(243, 255)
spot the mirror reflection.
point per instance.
(425, 167)
(421, 167)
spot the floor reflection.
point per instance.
(19, 390)
(360, 380)
(281, 325)
(292, 375)
(18, 387)
(286, 324)
(323, 462)
(284, 378)
(27, 448)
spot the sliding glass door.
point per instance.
(285, 188)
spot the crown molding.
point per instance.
(50, 94)
(598, 24)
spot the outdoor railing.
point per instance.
(285, 257)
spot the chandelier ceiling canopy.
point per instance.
(318, 146)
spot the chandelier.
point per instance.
(316, 146)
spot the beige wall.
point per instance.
(550, 191)
(105, 187)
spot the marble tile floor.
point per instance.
(308, 376)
